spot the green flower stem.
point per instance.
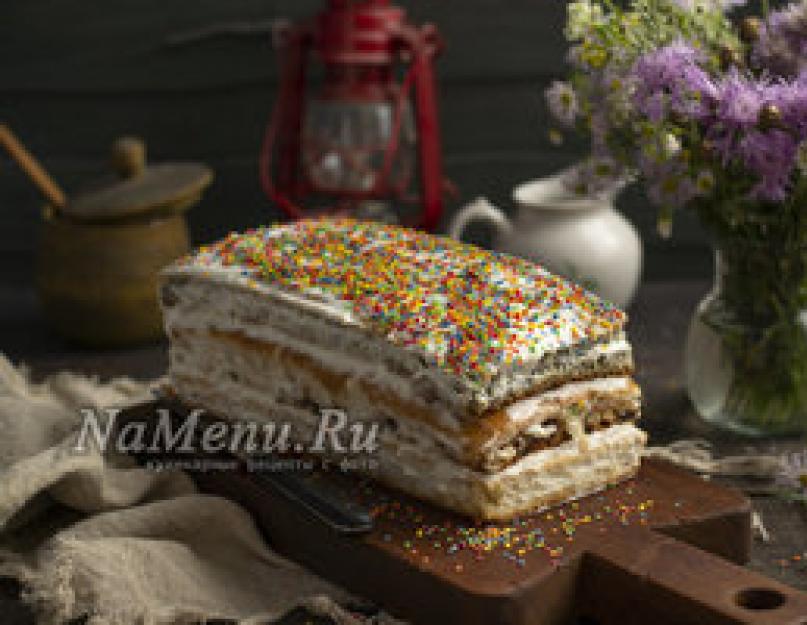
(759, 319)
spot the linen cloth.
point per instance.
(94, 534)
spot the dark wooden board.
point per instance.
(663, 565)
(665, 547)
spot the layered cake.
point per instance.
(499, 387)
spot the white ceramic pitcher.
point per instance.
(581, 238)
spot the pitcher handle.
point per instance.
(479, 210)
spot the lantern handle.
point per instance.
(395, 134)
(297, 44)
(424, 44)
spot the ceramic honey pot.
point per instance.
(100, 252)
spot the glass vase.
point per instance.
(746, 352)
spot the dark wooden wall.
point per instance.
(196, 79)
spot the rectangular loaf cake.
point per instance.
(501, 388)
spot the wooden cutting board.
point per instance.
(664, 548)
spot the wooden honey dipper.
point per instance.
(32, 168)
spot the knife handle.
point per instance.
(317, 498)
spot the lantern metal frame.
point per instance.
(371, 38)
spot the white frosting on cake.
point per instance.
(523, 409)
(212, 302)
(481, 327)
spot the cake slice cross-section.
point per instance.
(499, 388)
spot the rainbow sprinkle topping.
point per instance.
(467, 310)
(434, 539)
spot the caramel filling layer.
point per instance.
(480, 437)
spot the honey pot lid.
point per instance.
(140, 188)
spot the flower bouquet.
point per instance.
(711, 114)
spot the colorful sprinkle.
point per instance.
(467, 310)
(549, 535)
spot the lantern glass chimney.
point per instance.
(348, 132)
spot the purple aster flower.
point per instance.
(671, 79)
(662, 67)
(736, 135)
(562, 101)
(771, 155)
(782, 44)
(739, 100)
(736, 110)
(669, 184)
(654, 106)
(598, 176)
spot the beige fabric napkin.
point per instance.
(99, 536)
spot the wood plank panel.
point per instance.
(494, 116)
(141, 45)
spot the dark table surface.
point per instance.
(658, 326)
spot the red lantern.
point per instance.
(370, 135)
